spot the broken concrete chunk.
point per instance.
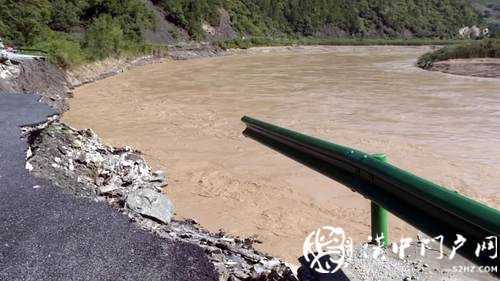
(29, 167)
(150, 203)
(271, 264)
(107, 189)
(159, 177)
(134, 158)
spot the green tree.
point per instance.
(66, 14)
(23, 22)
(104, 37)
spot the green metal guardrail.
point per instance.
(429, 207)
(32, 50)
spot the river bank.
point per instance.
(487, 67)
(477, 58)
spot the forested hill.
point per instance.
(421, 18)
(82, 30)
(490, 10)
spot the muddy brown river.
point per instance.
(185, 117)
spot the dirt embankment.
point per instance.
(55, 85)
(488, 67)
(37, 77)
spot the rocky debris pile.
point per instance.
(193, 51)
(77, 161)
(233, 258)
(367, 264)
(8, 71)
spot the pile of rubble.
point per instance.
(77, 161)
(8, 70)
(183, 51)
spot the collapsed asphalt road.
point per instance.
(46, 234)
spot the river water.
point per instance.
(184, 116)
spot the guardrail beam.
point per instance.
(429, 207)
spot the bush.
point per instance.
(104, 38)
(61, 50)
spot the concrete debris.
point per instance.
(26, 131)
(77, 161)
(150, 203)
(234, 258)
(194, 50)
(9, 70)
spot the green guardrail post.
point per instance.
(380, 216)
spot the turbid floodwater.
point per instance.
(185, 117)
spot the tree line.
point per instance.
(76, 31)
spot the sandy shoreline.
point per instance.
(487, 67)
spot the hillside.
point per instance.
(370, 18)
(489, 9)
(78, 31)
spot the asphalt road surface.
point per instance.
(46, 234)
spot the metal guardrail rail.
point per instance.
(427, 206)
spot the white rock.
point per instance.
(150, 203)
(108, 188)
(29, 167)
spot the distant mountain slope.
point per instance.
(489, 9)
(420, 18)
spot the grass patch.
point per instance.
(241, 43)
(68, 53)
(487, 48)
